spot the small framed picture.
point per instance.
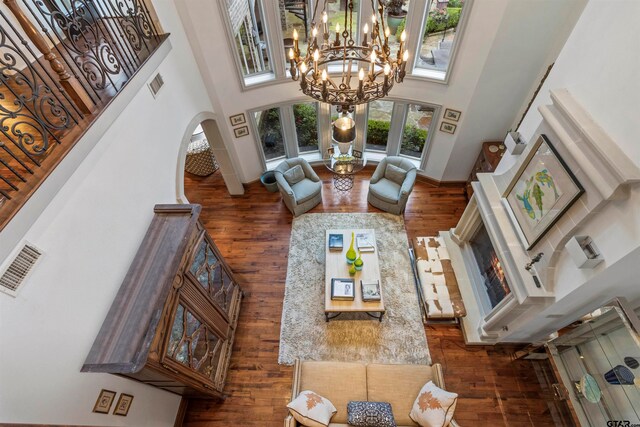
(452, 115)
(357, 154)
(104, 402)
(448, 127)
(123, 405)
(238, 119)
(240, 132)
(370, 291)
(342, 289)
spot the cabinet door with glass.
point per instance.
(193, 346)
(599, 364)
(208, 270)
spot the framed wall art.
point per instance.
(240, 132)
(452, 115)
(123, 405)
(238, 119)
(541, 191)
(104, 402)
(448, 127)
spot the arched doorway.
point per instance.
(207, 121)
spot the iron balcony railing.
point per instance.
(61, 62)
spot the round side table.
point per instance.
(344, 168)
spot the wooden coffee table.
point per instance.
(336, 267)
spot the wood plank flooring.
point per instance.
(253, 233)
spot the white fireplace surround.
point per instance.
(604, 171)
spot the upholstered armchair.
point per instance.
(391, 184)
(299, 185)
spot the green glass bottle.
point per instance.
(358, 263)
(351, 253)
(352, 269)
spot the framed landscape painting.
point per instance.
(541, 192)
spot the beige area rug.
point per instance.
(304, 334)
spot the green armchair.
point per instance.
(391, 184)
(301, 187)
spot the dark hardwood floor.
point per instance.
(253, 234)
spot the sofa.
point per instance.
(341, 382)
(387, 190)
(303, 195)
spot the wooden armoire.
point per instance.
(173, 320)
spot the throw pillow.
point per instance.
(311, 409)
(433, 406)
(370, 414)
(395, 174)
(294, 175)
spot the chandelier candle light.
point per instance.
(344, 56)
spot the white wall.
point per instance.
(505, 47)
(598, 66)
(90, 233)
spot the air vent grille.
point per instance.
(18, 270)
(156, 84)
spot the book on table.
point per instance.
(335, 242)
(342, 289)
(365, 242)
(370, 291)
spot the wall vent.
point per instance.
(18, 270)
(156, 84)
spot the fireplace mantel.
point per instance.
(604, 171)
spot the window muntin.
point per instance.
(439, 36)
(416, 129)
(269, 127)
(378, 124)
(248, 29)
(305, 118)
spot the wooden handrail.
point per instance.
(70, 85)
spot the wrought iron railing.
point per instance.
(61, 62)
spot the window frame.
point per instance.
(254, 129)
(284, 59)
(289, 132)
(360, 115)
(432, 128)
(294, 136)
(258, 79)
(391, 133)
(415, 39)
(398, 120)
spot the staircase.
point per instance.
(298, 9)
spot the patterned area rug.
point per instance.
(304, 334)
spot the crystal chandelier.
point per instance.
(374, 67)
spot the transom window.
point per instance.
(262, 38)
(247, 28)
(439, 37)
